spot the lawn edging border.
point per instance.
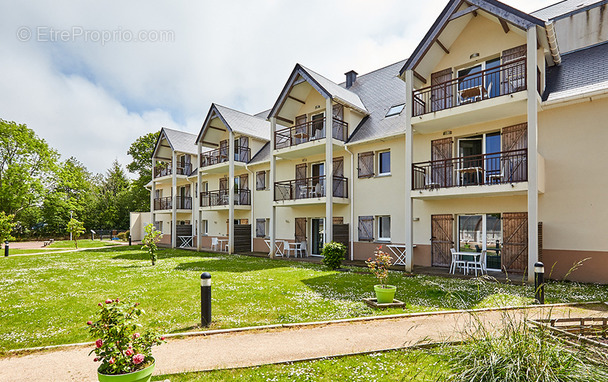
(328, 322)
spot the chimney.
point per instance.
(351, 77)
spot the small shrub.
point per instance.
(123, 236)
(76, 228)
(150, 239)
(333, 254)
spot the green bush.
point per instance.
(124, 236)
(333, 254)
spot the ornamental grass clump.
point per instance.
(379, 266)
(120, 347)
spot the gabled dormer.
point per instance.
(173, 146)
(472, 65)
(224, 126)
(302, 111)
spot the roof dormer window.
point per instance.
(395, 110)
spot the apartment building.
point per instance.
(489, 137)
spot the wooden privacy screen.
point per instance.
(442, 231)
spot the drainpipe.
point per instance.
(252, 220)
(351, 188)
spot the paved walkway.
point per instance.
(224, 349)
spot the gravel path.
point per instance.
(273, 345)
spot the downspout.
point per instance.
(552, 39)
(251, 192)
(351, 195)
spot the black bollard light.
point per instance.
(206, 299)
(6, 248)
(539, 282)
(129, 240)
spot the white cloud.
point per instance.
(91, 100)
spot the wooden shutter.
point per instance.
(514, 254)
(243, 149)
(441, 165)
(260, 227)
(441, 91)
(513, 75)
(223, 151)
(339, 181)
(515, 164)
(366, 228)
(442, 240)
(338, 220)
(301, 130)
(300, 180)
(338, 112)
(338, 127)
(223, 184)
(260, 180)
(300, 232)
(513, 54)
(366, 164)
(243, 195)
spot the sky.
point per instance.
(90, 77)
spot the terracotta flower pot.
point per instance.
(143, 375)
(385, 294)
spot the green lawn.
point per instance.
(62, 245)
(47, 299)
(399, 365)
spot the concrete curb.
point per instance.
(321, 323)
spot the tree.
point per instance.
(76, 228)
(141, 151)
(150, 239)
(70, 192)
(112, 199)
(6, 226)
(25, 163)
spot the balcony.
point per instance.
(213, 157)
(165, 203)
(309, 132)
(164, 170)
(502, 170)
(221, 198)
(309, 189)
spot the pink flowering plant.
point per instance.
(379, 265)
(119, 345)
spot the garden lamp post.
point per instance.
(6, 248)
(206, 299)
(539, 282)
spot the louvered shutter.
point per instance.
(366, 164)
(366, 228)
(260, 180)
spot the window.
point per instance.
(158, 226)
(260, 180)
(260, 227)
(366, 228)
(366, 164)
(384, 163)
(205, 227)
(384, 228)
(395, 110)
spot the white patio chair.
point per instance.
(214, 243)
(456, 262)
(478, 265)
(429, 183)
(317, 192)
(303, 249)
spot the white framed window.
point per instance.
(205, 227)
(159, 226)
(395, 110)
(384, 228)
(384, 163)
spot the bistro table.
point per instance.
(223, 243)
(461, 256)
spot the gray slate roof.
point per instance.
(563, 7)
(379, 91)
(263, 155)
(338, 93)
(581, 71)
(244, 123)
(181, 141)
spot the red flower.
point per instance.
(135, 335)
(129, 352)
(108, 301)
(111, 362)
(98, 343)
(89, 322)
(162, 338)
(138, 358)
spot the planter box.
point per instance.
(374, 304)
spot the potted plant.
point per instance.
(124, 353)
(379, 267)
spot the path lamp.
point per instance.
(6, 248)
(539, 282)
(206, 299)
(129, 240)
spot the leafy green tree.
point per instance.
(70, 192)
(112, 200)
(76, 228)
(150, 240)
(26, 161)
(141, 151)
(6, 226)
